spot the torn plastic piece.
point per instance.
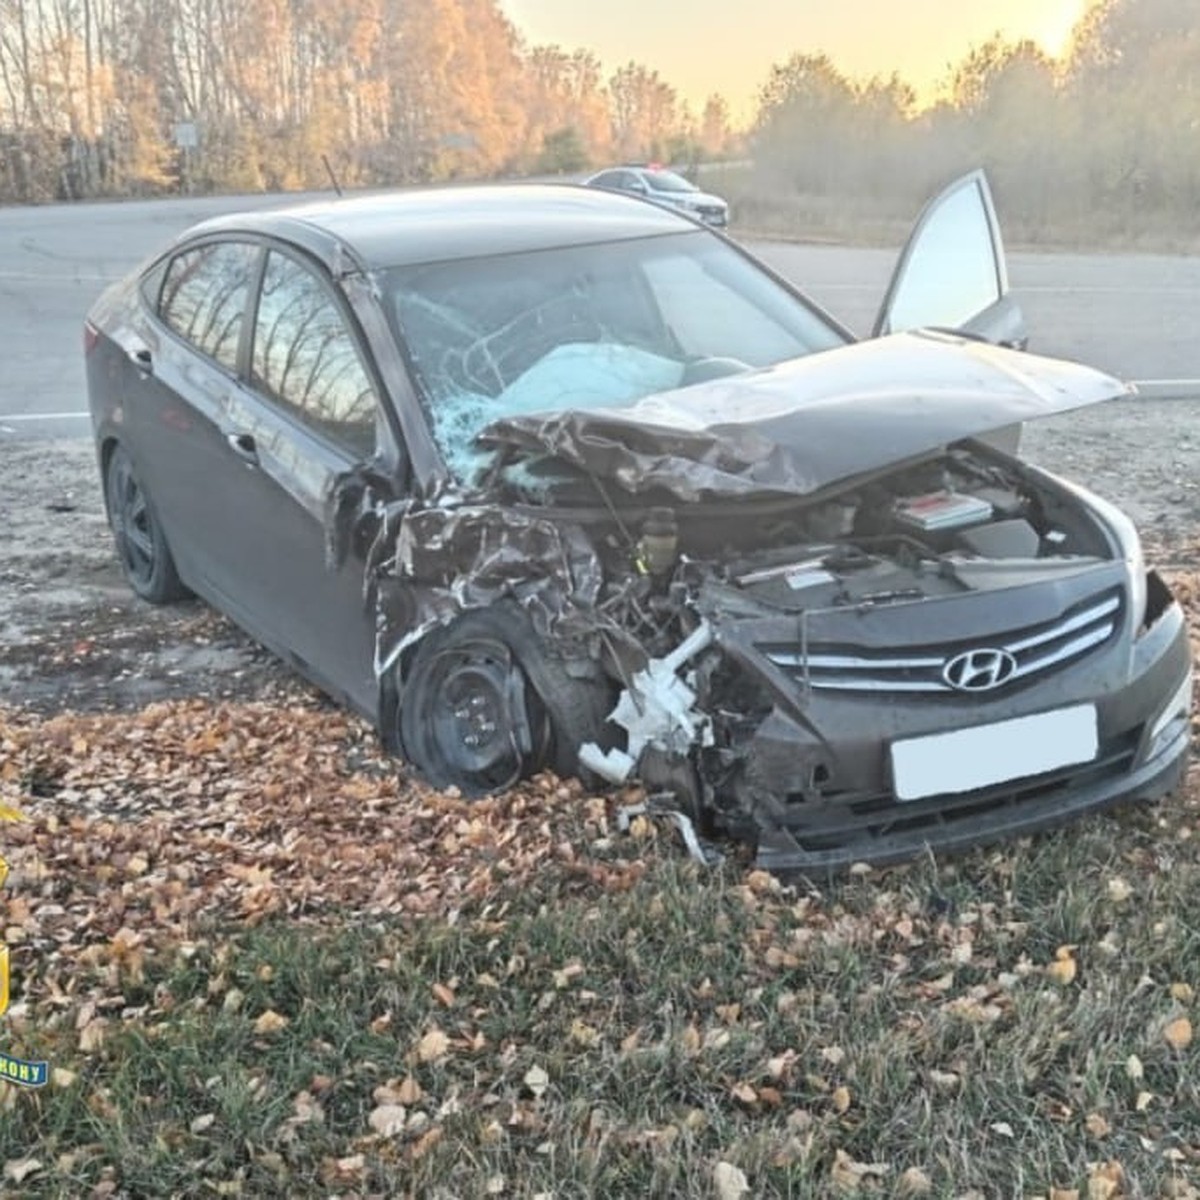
(706, 854)
(614, 765)
(655, 709)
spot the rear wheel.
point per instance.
(483, 705)
(141, 545)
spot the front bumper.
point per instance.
(815, 779)
(950, 825)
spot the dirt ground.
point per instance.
(73, 637)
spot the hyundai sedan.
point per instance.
(546, 477)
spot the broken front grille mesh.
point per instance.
(1031, 651)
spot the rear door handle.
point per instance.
(244, 446)
(142, 359)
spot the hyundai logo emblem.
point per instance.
(979, 670)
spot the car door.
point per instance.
(306, 417)
(184, 355)
(952, 273)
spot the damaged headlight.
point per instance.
(1171, 720)
(1129, 546)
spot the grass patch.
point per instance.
(912, 1032)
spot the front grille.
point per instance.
(1033, 650)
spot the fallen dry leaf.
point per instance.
(914, 1182)
(307, 1110)
(426, 1142)
(432, 1046)
(93, 1034)
(729, 1182)
(848, 1175)
(583, 1034)
(1178, 1033)
(19, 1169)
(1106, 1181)
(270, 1022)
(388, 1119)
(1064, 967)
(1119, 890)
(536, 1080)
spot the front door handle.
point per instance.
(244, 446)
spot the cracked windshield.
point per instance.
(587, 327)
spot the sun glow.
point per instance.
(730, 49)
(1053, 31)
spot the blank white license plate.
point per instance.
(982, 755)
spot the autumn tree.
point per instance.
(716, 130)
(806, 112)
(645, 111)
(566, 109)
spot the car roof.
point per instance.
(441, 224)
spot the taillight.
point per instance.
(91, 335)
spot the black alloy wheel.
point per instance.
(141, 546)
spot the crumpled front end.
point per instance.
(884, 760)
(953, 673)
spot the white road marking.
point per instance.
(1168, 389)
(45, 277)
(71, 416)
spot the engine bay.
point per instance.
(965, 521)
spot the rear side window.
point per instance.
(204, 296)
(305, 356)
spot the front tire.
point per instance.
(483, 705)
(141, 545)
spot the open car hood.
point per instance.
(811, 422)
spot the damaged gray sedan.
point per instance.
(550, 477)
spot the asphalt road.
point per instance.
(1132, 314)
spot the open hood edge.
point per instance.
(807, 424)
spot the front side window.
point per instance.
(587, 327)
(305, 356)
(204, 297)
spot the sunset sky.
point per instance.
(728, 46)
